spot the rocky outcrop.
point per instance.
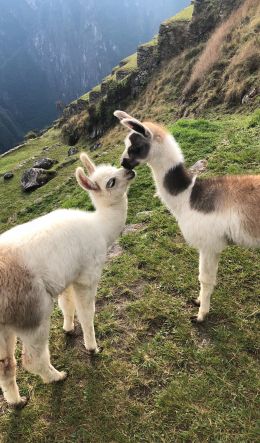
(173, 38)
(34, 178)
(94, 97)
(75, 108)
(208, 14)
(132, 74)
(44, 163)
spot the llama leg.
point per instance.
(207, 276)
(85, 307)
(36, 356)
(8, 368)
(67, 305)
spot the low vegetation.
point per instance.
(184, 15)
(215, 45)
(159, 379)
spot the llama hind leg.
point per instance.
(67, 305)
(36, 356)
(208, 268)
(8, 368)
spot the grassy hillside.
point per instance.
(159, 379)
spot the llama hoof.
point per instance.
(21, 404)
(195, 302)
(93, 352)
(71, 333)
(60, 376)
(63, 376)
(195, 319)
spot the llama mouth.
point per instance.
(130, 174)
(129, 164)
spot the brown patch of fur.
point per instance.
(158, 131)
(246, 193)
(19, 298)
(239, 192)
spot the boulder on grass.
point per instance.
(72, 151)
(44, 163)
(8, 175)
(34, 178)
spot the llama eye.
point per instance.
(111, 183)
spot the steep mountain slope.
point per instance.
(54, 50)
(159, 379)
(230, 79)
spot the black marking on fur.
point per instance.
(137, 127)
(139, 148)
(204, 195)
(177, 179)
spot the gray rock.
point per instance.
(44, 163)
(8, 175)
(34, 178)
(72, 151)
(96, 146)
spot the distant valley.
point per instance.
(55, 50)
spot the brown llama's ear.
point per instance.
(85, 182)
(136, 126)
(121, 115)
(89, 165)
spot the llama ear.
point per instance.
(136, 126)
(89, 165)
(85, 182)
(121, 115)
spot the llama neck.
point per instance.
(170, 174)
(169, 156)
(112, 220)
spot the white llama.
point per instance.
(42, 258)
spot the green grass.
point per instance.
(184, 15)
(130, 63)
(96, 88)
(153, 42)
(85, 97)
(159, 379)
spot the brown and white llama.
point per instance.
(211, 212)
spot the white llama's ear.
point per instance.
(121, 115)
(89, 165)
(136, 126)
(85, 182)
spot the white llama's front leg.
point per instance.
(67, 305)
(85, 307)
(208, 268)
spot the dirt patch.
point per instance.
(114, 251)
(133, 228)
